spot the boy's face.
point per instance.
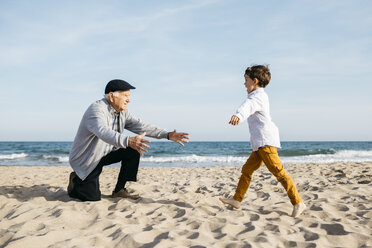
(250, 84)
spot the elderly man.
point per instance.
(100, 141)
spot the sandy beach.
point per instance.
(180, 208)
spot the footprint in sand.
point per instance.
(194, 224)
(310, 236)
(364, 182)
(179, 213)
(248, 228)
(260, 239)
(341, 207)
(195, 235)
(264, 196)
(334, 229)
(314, 225)
(263, 211)
(254, 217)
(316, 207)
(203, 190)
(272, 228)
(290, 244)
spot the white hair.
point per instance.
(115, 93)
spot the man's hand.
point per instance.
(179, 137)
(138, 144)
(234, 120)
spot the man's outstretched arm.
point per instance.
(180, 138)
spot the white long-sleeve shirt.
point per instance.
(256, 109)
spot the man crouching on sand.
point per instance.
(100, 141)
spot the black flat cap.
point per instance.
(117, 85)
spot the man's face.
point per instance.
(120, 102)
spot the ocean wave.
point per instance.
(194, 159)
(13, 156)
(340, 156)
(305, 152)
(60, 159)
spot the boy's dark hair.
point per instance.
(261, 72)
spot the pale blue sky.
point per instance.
(187, 60)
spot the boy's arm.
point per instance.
(248, 107)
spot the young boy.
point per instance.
(264, 139)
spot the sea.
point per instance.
(193, 154)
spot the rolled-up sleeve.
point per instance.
(248, 107)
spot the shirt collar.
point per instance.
(256, 91)
(110, 108)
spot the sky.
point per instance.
(187, 60)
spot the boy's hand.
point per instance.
(234, 120)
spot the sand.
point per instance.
(180, 208)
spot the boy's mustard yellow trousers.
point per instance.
(269, 156)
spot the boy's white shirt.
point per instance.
(256, 109)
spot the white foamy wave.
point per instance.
(195, 159)
(340, 156)
(14, 156)
(60, 159)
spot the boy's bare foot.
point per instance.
(298, 209)
(231, 202)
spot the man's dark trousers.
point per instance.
(88, 189)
